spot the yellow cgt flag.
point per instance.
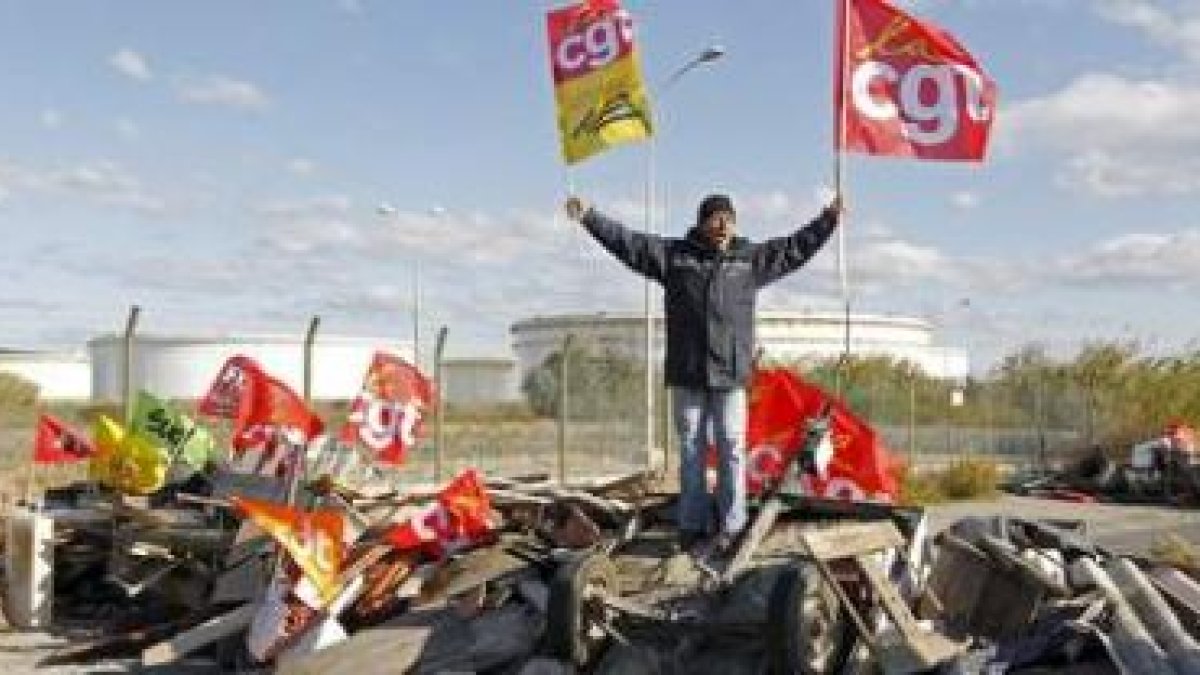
(601, 99)
(129, 463)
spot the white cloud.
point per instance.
(1106, 110)
(131, 64)
(51, 118)
(354, 7)
(1131, 173)
(220, 90)
(1136, 259)
(1120, 137)
(326, 206)
(1176, 30)
(102, 181)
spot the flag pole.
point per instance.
(32, 473)
(839, 177)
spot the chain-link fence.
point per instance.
(581, 412)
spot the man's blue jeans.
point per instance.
(704, 416)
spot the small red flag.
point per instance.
(389, 413)
(227, 394)
(272, 412)
(57, 444)
(263, 408)
(460, 517)
(907, 88)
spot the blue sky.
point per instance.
(221, 164)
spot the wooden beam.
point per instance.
(205, 634)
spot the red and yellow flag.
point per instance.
(598, 88)
(313, 539)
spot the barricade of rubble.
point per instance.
(580, 578)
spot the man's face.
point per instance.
(719, 228)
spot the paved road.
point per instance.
(1124, 528)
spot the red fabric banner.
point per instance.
(388, 416)
(264, 410)
(907, 88)
(460, 517)
(781, 403)
(227, 394)
(55, 443)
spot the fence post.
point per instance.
(309, 338)
(127, 363)
(440, 386)
(912, 414)
(563, 398)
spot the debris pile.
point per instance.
(524, 575)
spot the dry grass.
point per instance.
(964, 480)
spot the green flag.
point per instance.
(179, 434)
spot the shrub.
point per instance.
(964, 480)
(17, 392)
(918, 489)
(969, 479)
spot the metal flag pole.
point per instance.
(839, 171)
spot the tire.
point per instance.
(808, 630)
(571, 632)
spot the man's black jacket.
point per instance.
(710, 294)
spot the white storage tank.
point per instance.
(782, 335)
(60, 376)
(480, 380)
(183, 367)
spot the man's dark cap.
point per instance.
(713, 204)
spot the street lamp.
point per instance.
(386, 210)
(708, 55)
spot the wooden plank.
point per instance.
(206, 633)
(848, 540)
(917, 650)
(763, 522)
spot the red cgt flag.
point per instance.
(460, 517)
(780, 404)
(264, 409)
(388, 415)
(55, 443)
(907, 88)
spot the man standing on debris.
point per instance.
(710, 278)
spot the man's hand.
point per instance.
(836, 205)
(575, 208)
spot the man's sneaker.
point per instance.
(725, 545)
(689, 540)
